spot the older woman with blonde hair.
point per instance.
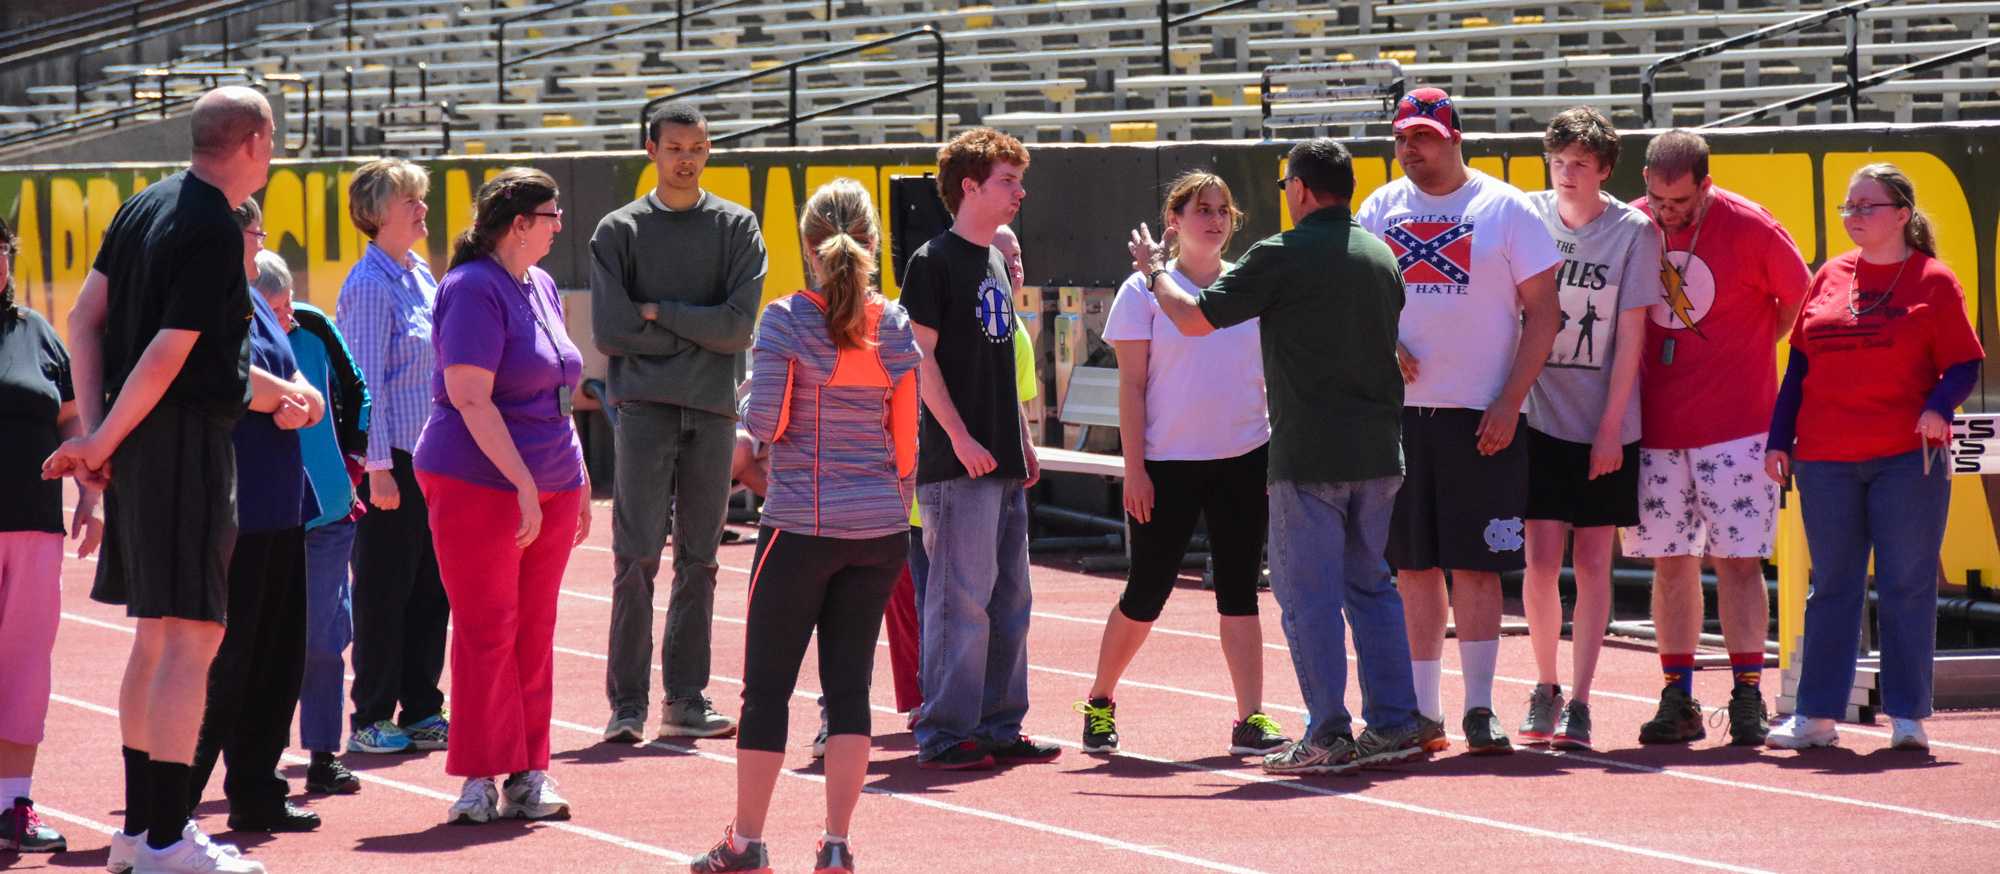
(385, 311)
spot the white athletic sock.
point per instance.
(12, 788)
(831, 838)
(1426, 675)
(1478, 657)
(739, 842)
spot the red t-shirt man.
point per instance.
(1710, 374)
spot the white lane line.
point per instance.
(84, 821)
(1046, 828)
(411, 788)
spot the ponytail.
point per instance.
(840, 231)
(512, 193)
(1918, 233)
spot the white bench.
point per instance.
(1044, 65)
(991, 97)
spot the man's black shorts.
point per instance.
(170, 518)
(1458, 510)
(1560, 487)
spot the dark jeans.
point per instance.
(672, 462)
(400, 609)
(1890, 507)
(803, 583)
(253, 684)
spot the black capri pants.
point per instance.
(800, 583)
(1230, 492)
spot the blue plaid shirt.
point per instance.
(384, 311)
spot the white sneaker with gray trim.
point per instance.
(532, 795)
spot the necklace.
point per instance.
(1854, 308)
(1680, 272)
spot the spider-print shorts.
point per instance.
(1709, 501)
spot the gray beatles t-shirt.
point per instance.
(1609, 266)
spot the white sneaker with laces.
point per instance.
(187, 856)
(1908, 734)
(124, 852)
(477, 803)
(1799, 732)
(532, 795)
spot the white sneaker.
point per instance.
(1799, 732)
(532, 795)
(124, 852)
(477, 802)
(189, 857)
(1908, 734)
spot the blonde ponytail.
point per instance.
(840, 232)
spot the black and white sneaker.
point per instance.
(1100, 725)
(1256, 735)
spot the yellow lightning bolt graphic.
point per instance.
(1677, 299)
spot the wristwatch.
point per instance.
(1153, 276)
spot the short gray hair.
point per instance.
(273, 275)
(376, 183)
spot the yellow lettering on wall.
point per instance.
(29, 274)
(67, 256)
(1370, 174)
(1528, 173)
(457, 209)
(284, 217)
(323, 267)
(350, 244)
(1782, 184)
(787, 272)
(1491, 165)
(100, 204)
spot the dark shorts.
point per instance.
(1560, 487)
(1458, 510)
(170, 518)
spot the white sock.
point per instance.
(1426, 675)
(738, 841)
(14, 787)
(831, 838)
(1478, 658)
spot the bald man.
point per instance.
(160, 335)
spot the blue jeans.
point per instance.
(329, 629)
(974, 664)
(1327, 543)
(1889, 505)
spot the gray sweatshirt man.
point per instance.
(674, 297)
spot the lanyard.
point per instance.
(564, 405)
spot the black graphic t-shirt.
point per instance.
(960, 290)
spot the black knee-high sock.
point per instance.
(136, 798)
(167, 809)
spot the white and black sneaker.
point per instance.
(532, 795)
(478, 802)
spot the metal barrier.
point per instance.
(1851, 12)
(1290, 77)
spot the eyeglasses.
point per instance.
(1284, 181)
(260, 235)
(557, 215)
(1863, 210)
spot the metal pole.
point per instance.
(444, 124)
(829, 21)
(1853, 66)
(1166, 42)
(350, 26)
(500, 62)
(938, 110)
(76, 78)
(392, 83)
(1646, 98)
(680, 25)
(792, 101)
(225, 39)
(347, 138)
(423, 81)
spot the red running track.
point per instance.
(1172, 801)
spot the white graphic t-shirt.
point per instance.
(1462, 255)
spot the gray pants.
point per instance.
(671, 459)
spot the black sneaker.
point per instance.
(1430, 735)
(1330, 755)
(1258, 735)
(22, 830)
(1380, 749)
(1678, 720)
(1748, 721)
(1023, 751)
(286, 817)
(1483, 734)
(966, 756)
(724, 858)
(328, 776)
(1100, 725)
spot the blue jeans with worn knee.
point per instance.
(1890, 506)
(974, 663)
(1327, 542)
(329, 629)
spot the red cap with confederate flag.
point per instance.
(1428, 107)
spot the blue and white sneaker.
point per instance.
(430, 734)
(382, 737)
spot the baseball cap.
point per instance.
(1430, 107)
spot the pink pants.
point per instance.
(904, 642)
(503, 607)
(30, 609)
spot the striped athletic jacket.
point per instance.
(842, 424)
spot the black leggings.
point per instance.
(1230, 493)
(800, 583)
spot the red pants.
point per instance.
(503, 605)
(904, 642)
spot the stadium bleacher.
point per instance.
(576, 74)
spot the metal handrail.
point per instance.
(115, 114)
(1850, 11)
(1168, 23)
(68, 25)
(791, 69)
(679, 20)
(221, 53)
(1884, 77)
(305, 107)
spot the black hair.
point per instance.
(673, 112)
(1324, 167)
